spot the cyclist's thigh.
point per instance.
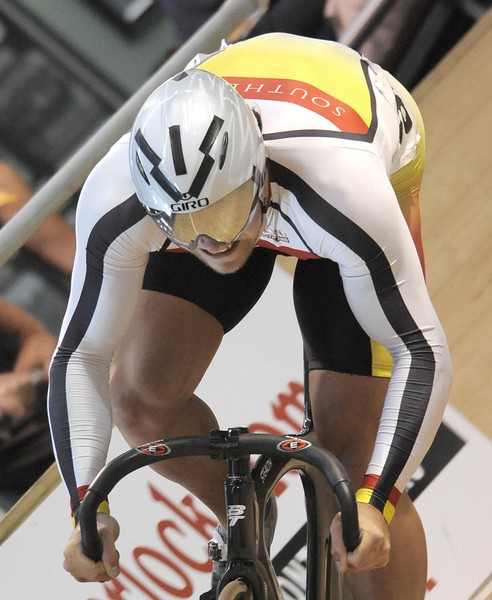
(348, 372)
(183, 312)
(332, 336)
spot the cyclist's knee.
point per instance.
(139, 395)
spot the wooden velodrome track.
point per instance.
(456, 102)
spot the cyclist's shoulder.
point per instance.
(109, 203)
(114, 164)
(109, 183)
(282, 46)
(322, 65)
(302, 87)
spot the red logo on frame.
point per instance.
(293, 445)
(154, 448)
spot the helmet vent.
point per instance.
(211, 135)
(159, 177)
(223, 149)
(180, 76)
(207, 163)
(177, 150)
(141, 169)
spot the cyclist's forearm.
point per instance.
(411, 415)
(80, 418)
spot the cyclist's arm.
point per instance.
(365, 233)
(385, 287)
(113, 240)
(392, 304)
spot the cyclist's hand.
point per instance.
(373, 550)
(85, 569)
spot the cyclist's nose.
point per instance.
(204, 242)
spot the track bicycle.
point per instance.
(248, 572)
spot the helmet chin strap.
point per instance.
(265, 205)
(194, 228)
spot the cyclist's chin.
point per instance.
(230, 260)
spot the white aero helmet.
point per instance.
(197, 159)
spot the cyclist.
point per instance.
(278, 144)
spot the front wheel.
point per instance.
(236, 590)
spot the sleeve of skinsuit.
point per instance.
(362, 228)
(114, 237)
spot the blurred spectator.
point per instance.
(328, 19)
(288, 16)
(26, 347)
(188, 15)
(324, 19)
(54, 240)
(295, 16)
(389, 38)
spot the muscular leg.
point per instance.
(346, 411)
(159, 364)
(184, 309)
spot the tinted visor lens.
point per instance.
(222, 221)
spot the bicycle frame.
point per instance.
(247, 494)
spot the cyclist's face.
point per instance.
(224, 258)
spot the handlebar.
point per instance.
(243, 445)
